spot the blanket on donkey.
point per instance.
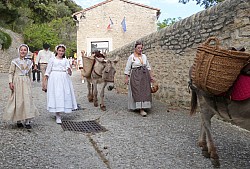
(241, 88)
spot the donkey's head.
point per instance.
(109, 71)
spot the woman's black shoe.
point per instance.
(19, 124)
(27, 126)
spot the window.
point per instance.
(102, 46)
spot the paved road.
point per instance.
(166, 139)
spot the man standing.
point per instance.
(43, 59)
(35, 72)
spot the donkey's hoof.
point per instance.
(103, 108)
(95, 104)
(215, 162)
(90, 99)
(205, 153)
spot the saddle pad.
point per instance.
(241, 88)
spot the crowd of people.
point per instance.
(56, 70)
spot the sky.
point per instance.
(169, 8)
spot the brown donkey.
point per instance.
(103, 72)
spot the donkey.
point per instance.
(103, 72)
(236, 112)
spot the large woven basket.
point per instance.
(215, 69)
(87, 66)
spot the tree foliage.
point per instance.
(54, 33)
(38, 34)
(167, 22)
(205, 3)
(41, 21)
(5, 40)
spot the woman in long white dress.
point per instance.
(20, 106)
(60, 92)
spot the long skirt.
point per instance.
(20, 105)
(139, 91)
(60, 93)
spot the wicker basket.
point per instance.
(215, 69)
(87, 66)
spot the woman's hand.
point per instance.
(69, 71)
(152, 79)
(35, 67)
(11, 86)
(126, 80)
(44, 84)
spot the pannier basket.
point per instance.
(87, 66)
(215, 69)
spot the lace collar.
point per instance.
(23, 64)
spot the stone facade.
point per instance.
(7, 55)
(171, 51)
(92, 23)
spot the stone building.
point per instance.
(112, 24)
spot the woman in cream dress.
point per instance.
(20, 105)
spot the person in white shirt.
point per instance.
(71, 62)
(43, 59)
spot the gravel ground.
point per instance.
(165, 139)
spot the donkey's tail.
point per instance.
(194, 102)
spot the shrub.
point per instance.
(5, 40)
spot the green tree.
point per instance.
(205, 3)
(167, 22)
(37, 34)
(58, 31)
(8, 14)
(5, 40)
(66, 31)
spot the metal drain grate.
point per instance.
(83, 126)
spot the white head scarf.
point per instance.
(26, 47)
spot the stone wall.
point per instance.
(171, 51)
(7, 55)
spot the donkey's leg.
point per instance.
(202, 142)
(102, 106)
(95, 92)
(90, 90)
(206, 115)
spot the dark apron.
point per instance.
(140, 84)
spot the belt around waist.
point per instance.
(43, 63)
(59, 70)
